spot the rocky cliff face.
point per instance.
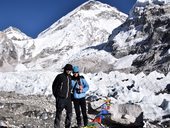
(146, 33)
(8, 53)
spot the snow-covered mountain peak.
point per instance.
(91, 11)
(88, 25)
(15, 34)
(96, 5)
(80, 29)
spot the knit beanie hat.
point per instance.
(75, 69)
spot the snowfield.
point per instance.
(103, 85)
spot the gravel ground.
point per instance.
(34, 111)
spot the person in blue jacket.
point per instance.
(79, 87)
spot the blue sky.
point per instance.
(34, 16)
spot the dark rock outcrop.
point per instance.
(148, 29)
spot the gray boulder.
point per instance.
(122, 115)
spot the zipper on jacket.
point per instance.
(67, 87)
(61, 86)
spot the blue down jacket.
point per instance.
(75, 85)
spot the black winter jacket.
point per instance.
(62, 86)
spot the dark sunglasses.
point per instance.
(75, 72)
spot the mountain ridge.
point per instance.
(76, 31)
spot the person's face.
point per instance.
(68, 72)
(75, 74)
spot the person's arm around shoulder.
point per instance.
(85, 84)
(72, 83)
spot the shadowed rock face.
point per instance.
(155, 48)
(151, 39)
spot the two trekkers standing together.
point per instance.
(62, 87)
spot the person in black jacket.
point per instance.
(61, 88)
